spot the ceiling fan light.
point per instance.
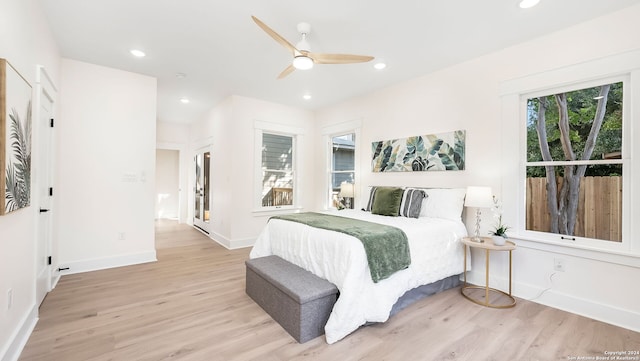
(302, 62)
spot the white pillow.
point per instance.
(444, 203)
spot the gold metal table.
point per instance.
(488, 246)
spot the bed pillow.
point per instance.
(372, 195)
(444, 203)
(412, 202)
(387, 201)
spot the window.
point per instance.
(342, 169)
(278, 151)
(277, 178)
(574, 164)
(605, 227)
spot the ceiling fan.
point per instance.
(303, 58)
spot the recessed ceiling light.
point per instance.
(306, 97)
(380, 65)
(525, 4)
(184, 100)
(137, 53)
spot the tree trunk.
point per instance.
(541, 129)
(570, 190)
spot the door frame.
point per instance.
(200, 224)
(47, 274)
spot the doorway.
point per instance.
(45, 250)
(202, 195)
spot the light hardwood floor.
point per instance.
(191, 305)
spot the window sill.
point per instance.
(621, 257)
(272, 211)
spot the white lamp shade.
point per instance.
(479, 197)
(346, 190)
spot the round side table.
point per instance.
(488, 245)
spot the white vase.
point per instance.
(499, 240)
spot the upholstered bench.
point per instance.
(297, 299)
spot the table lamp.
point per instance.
(478, 198)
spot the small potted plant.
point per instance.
(499, 233)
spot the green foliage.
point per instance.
(582, 105)
(500, 230)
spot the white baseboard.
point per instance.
(549, 297)
(20, 336)
(55, 281)
(231, 244)
(107, 262)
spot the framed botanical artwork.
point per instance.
(15, 139)
(421, 153)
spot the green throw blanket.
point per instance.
(386, 247)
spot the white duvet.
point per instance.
(436, 253)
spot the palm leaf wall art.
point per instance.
(431, 152)
(15, 139)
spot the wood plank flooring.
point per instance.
(191, 305)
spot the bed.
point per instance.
(436, 254)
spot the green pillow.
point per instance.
(387, 201)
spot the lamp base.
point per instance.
(476, 237)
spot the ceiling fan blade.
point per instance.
(320, 58)
(288, 70)
(275, 35)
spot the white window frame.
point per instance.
(583, 241)
(331, 171)
(328, 133)
(296, 134)
(514, 93)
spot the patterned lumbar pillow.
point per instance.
(372, 196)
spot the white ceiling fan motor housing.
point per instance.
(304, 29)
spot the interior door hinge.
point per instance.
(49, 260)
(51, 124)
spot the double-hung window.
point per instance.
(574, 184)
(342, 170)
(277, 170)
(574, 167)
(276, 164)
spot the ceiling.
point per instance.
(223, 52)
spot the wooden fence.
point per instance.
(599, 208)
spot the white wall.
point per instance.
(167, 185)
(230, 127)
(170, 136)
(26, 42)
(467, 96)
(106, 167)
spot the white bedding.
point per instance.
(436, 253)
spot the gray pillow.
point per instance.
(412, 202)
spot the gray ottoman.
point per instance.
(297, 299)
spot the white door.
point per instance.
(45, 100)
(202, 197)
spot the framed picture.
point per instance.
(421, 153)
(15, 139)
